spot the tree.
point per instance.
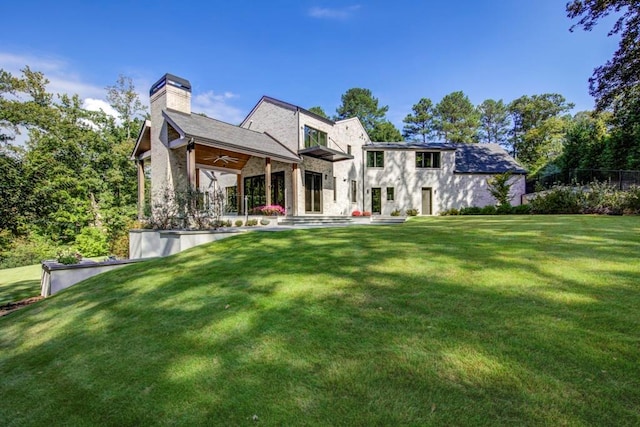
(385, 132)
(419, 125)
(123, 98)
(361, 103)
(585, 141)
(494, 122)
(456, 119)
(499, 187)
(537, 128)
(319, 111)
(619, 78)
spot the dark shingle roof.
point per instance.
(470, 158)
(485, 158)
(229, 136)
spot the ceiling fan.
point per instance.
(223, 159)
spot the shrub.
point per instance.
(489, 210)
(251, 222)
(271, 210)
(499, 187)
(471, 210)
(521, 210)
(92, 242)
(395, 212)
(452, 211)
(366, 213)
(228, 223)
(503, 209)
(264, 221)
(27, 250)
(632, 201)
(69, 257)
(356, 213)
(239, 223)
(412, 212)
(560, 199)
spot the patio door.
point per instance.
(426, 201)
(376, 200)
(312, 192)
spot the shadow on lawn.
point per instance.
(241, 327)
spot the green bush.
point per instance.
(471, 210)
(395, 212)
(264, 221)
(489, 210)
(69, 257)
(27, 250)
(251, 222)
(632, 201)
(412, 212)
(504, 209)
(558, 200)
(521, 210)
(92, 242)
(452, 211)
(239, 223)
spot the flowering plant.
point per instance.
(270, 210)
(366, 213)
(356, 213)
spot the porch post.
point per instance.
(294, 189)
(267, 181)
(191, 164)
(140, 164)
(239, 193)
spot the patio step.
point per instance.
(315, 220)
(376, 219)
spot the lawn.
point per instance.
(530, 320)
(19, 283)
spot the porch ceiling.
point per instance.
(217, 157)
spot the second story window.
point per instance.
(427, 159)
(375, 159)
(313, 137)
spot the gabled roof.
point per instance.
(229, 136)
(470, 158)
(286, 105)
(143, 143)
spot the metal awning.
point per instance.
(325, 153)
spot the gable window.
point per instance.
(314, 137)
(375, 159)
(427, 159)
(390, 194)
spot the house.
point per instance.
(282, 154)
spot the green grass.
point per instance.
(19, 283)
(531, 320)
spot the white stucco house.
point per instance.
(282, 154)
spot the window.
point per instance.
(313, 137)
(354, 192)
(254, 189)
(375, 159)
(390, 194)
(428, 159)
(232, 199)
(349, 149)
(335, 189)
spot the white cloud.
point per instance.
(92, 104)
(217, 106)
(328, 13)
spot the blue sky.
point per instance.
(307, 52)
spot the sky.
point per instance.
(307, 53)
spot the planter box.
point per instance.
(160, 243)
(56, 277)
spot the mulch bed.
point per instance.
(13, 306)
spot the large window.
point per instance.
(390, 194)
(313, 137)
(375, 159)
(427, 159)
(313, 192)
(255, 191)
(232, 199)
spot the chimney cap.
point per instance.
(173, 80)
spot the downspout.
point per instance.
(363, 190)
